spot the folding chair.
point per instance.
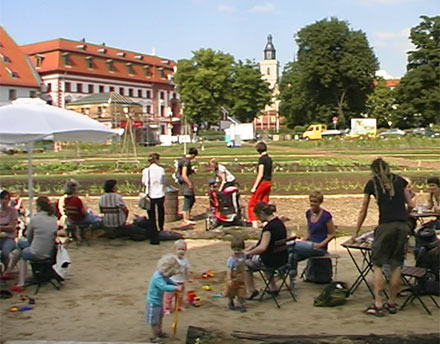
(110, 223)
(75, 232)
(415, 275)
(282, 272)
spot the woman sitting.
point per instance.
(262, 254)
(111, 199)
(40, 239)
(76, 211)
(8, 231)
(321, 231)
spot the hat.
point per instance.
(212, 181)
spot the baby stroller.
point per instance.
(225, 208)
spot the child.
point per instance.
(160, 282)
(235, 275)
(178, 278)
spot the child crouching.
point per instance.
(235, 286)
(160, 283)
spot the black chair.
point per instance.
(76, 232)
(42, 272)
(281, 273)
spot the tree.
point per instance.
(418, 94)
(204, 83)
(380, 104)
(212, 81)
(250, 92)
(333, 74)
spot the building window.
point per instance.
(13, 75)
(101, 89)
(89, 62)
(162, 111)
(38, 60)
(79, 88)
(147, 70)
(148, 94)
(5, 59)
(111, 89)
(33, 94)
(162, 95)
(49, 87)
(99, 110)
(66, 86)
(161, 73)
(148, 108)
(110, 66)
(91, 88)
(66, 59)
(130, 68)
(12, 94)
(139, 93)
(268, 71)
(121, 91)
(130, 92)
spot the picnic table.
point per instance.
(422, 215)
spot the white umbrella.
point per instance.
(27, 120)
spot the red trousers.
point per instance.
(260, 195)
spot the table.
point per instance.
(420, 216)
(364, 266)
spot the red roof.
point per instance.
(52, 60)
(15, 67)
(391, 83)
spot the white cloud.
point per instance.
(268, 7)
(404, 33)
(226, 9)
(384, 74)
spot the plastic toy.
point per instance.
(207, 287)
(190, 295)
(208, 274)
(197, 301)
(25, 308)
(217, 296)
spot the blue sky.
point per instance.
(175, 28)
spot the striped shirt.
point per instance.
(111, 199)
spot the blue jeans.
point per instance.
(6, 246)
(301, 251)
(90, 219)
(25, 248)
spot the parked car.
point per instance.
(424, 132)
(395, 132)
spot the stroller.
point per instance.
(225, 208)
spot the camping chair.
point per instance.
(42, 272)
(110, 219)
(282, 273)
(332, 256)
(413, 277)
(75, 232)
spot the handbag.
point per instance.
(63, 262)
(144, 201)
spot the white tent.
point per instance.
(28, 120)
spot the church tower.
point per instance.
(269, 68)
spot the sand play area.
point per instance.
(103, 298)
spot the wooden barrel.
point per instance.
(171, 205)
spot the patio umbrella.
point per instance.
(28, 120)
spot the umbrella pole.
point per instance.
(30, 180)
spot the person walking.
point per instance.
(392, 195)
(262, 184)
(153, 178)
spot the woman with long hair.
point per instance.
(8, 231)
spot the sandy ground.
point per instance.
(103, 298)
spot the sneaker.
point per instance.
(189, 222)
(156, 340)
(163, 335)
(242, 308)
(231, 306)
(6, 277)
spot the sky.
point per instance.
(175, 28)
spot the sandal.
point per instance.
(253, 295)
(373, 310)
(231, 306)
(390, 308)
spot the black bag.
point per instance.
(334, 294)
(428, 257)
(318, 270)
(137, 233)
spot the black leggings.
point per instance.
(157, 203)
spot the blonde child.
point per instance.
(235, 286)
(178, 278)
(160, 283)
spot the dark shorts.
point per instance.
(188, 202)
(153, 314)
(389, 244)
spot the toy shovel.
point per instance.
(176, 314)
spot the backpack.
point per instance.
(318, 271)
(334, 294)
(177, 175)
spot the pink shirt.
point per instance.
(6, 217)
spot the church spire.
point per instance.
(269, 50)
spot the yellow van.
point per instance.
(314, 132)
